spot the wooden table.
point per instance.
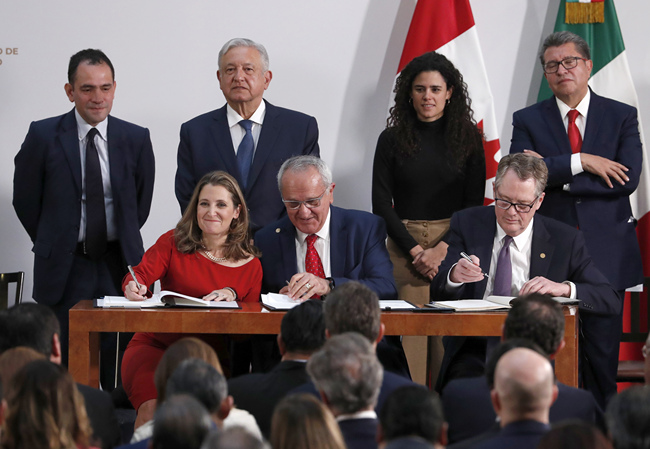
(86, 322)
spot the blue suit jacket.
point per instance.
(48, 188)
(359, 433)
(517, 435)
(206, 145)
(558, 253)
(602, 214)
(357, 252)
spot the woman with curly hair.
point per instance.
(208, 255)
(429, 163)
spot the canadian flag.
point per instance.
(447, 26)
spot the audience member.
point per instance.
(35, 326)
(233, 438)
(180, 422)
(574, 434)
(523, 252)
(523, 392)
(82, 209)
(412, 417)
(248, 137)
(429, 163)
(301, 421)
(348, 375)
(628, 418)
(593, 152)
(45, 410)
(536, 318)
(301, 333)
(13, 360)
(353, 307)
(646, 364)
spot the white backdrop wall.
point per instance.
(335, 60)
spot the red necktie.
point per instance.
(313, 263)
(574, 133)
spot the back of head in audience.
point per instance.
(203, 382)
(646, 356)
(353, 307)
(524, 387)
(32, 325)
(347, 373)
(180, 422)
(13, 360)
(233, 438)
(302, 330)
(301, 421)
(183, 349)
(574, 434)
(628, 418)
(538, 318)
(501, 349)
(413, 411)
(44, 409)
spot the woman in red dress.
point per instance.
(208, 255)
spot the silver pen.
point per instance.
(135, 279)
(469, 259)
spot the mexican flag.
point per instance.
(610, 77)
(447, 26)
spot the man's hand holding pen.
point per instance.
(465, 271)
(303, 286)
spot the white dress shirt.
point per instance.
(322, 246)
(237, 133)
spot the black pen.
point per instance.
(469, 259)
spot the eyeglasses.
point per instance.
(567, 63)
(309, 204)
(519, 207)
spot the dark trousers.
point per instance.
(90, 279)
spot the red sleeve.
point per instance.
(155, 262)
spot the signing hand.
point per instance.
(465, 272)
(428, 261)
(132, 293)
(604, 168)
(544, 286)
(303, 286)
(223, 294)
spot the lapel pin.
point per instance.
(277, 230)
(542, 255)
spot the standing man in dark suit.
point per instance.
(523, 253)
(248, 137)
(592, 148)
(83, 186)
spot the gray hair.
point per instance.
(200, 380)
(348, 373)
(243, 42)
(303, 163)
(525, 167)
(565, 37)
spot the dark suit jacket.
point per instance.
(468, 408)
(517, 435)
(206, 145)
(259, 393)
(357, 252)
(558, 253)
(389, 383)
(359, 433)
(101, 413)
(409, 443)
(47, 194)
(602, 214)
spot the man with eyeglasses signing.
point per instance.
(317, 246)
(522, 253)
(593, 152)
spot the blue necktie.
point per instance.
(245, 151)
(503, 273)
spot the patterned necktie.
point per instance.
(313, 263)
(245, 151)
(574, 133)
(503, 273)
(95, 210)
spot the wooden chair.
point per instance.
(632, 370)
(6, 279)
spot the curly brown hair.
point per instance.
(461, 132)
(188, 234)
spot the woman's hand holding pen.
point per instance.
(465, 271)
(134, 293)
